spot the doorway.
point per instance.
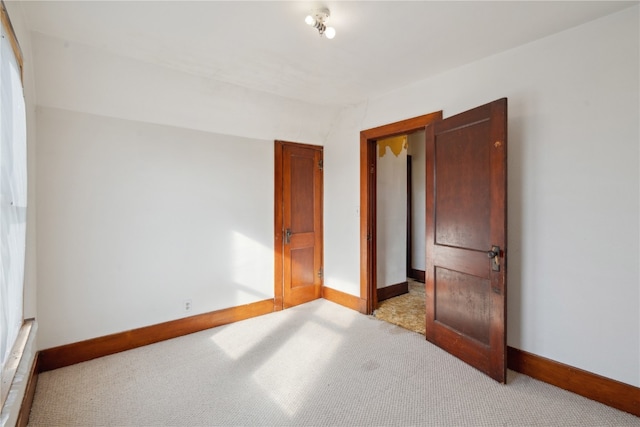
(368, 199)
(401, 212)
(400, 229)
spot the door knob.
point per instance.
(287, 236)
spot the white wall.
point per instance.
(342, 202)
(391, 226)
(573, 246)
(135, 218)
(154, 186)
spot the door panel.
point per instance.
(462, 194)
(301, 223)
(462, 303)
(466, 218)
(300, 194)
(302, 266)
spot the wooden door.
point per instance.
(299, 223)
(466, 284)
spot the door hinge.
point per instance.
(320, 273)
(320, 164)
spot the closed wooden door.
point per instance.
(299, 223)
(466, 283)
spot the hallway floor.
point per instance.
(407, 311)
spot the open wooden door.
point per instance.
(298, 224)
(466, 284)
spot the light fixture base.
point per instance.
(322, 14)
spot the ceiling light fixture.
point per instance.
(317, 20)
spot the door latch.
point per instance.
(494, 255)
(287, 236)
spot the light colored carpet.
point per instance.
(406, 310)
(317, 364)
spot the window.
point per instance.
(13, 189)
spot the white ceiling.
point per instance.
(265, 45)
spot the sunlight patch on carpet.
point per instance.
(287, 380)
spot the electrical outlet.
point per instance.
(187, 305)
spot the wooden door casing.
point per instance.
(466, 217)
